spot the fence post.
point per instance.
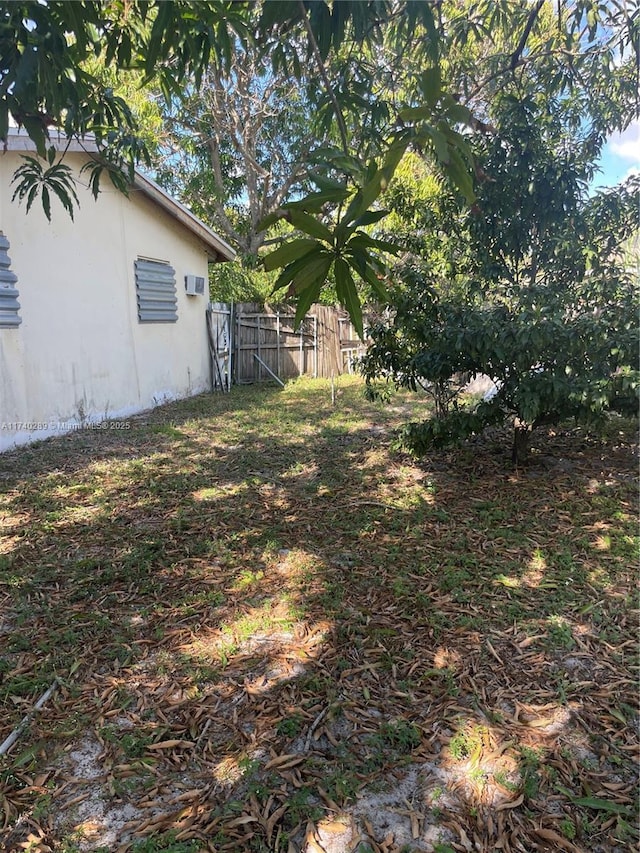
(315, 346)
(232, 361)
(260, 362)
(301, 358)
(237, 342)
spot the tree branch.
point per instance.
(517, 53)
(516, 57)
(225, 222)
(323, 73)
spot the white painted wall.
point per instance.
(80, 352)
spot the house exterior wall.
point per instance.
(80, 354)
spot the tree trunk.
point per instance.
(521, 438)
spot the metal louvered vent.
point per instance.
(9, 305)
(156, 292)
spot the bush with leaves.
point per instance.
(548, 310)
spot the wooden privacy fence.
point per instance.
(252, 343)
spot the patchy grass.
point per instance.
(269, 630)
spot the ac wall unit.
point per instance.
(194, 285)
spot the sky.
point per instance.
(620, 157)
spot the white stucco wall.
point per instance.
(80, 352)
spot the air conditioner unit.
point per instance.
(194, 285)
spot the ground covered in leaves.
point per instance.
(266, 630)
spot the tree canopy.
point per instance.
(392, 76)
(236, 145)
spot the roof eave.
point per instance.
(217, 249)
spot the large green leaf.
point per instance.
(457, 170)
(324, 182)
(320, 22)
(305, 301)
(336, 158)
(601, 805)
(313, 269)
(431, 84)
(348, 295)
(411, 114)
(369, 217)
(440, 143)
(4, 120)
(362, 263)
(288, 252)
(35, 129)
(378, 181)
(289, 272)
(314, 202)
(458, 113)
(309, 283)
(310, 225)
(269, 220)
(363, 241)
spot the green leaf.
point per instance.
(458, 114)
(618, 715)
(309, 281)
(304, 222)
(314, 202)
(440, 143)
(64, 192)
(269, 220)
(289, 252)
(362, 240)
(411, 114)
(46, 203)
(369, 217)
(348, 295)
(33, 194)
(313, 269)
(361, 263)
(161, 25)
(431, 84)
(364, 198)
(378, 182)
(325, 183)
(34, 128)
(4, 120)
(320, 21)
(457, 170)
(601, 805)
(277, 11)
(305, 301)
(288, 273)
(337, 159)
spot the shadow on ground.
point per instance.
(269, 631)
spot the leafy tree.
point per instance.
(237, 146)
(144, 101)
(239, 281)
(546, 308)
(47, 77)
(44, 48)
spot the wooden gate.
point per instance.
(220, 345)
